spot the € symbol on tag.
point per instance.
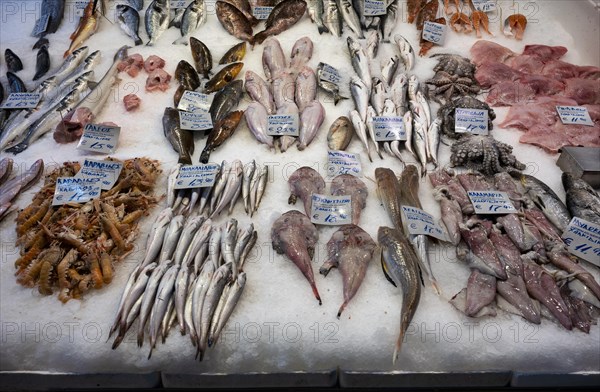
(413, 226)
(59, 197)
(179, 182)
(316, 216)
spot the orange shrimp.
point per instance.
(106, 266)
(45, 283)
(40, 213)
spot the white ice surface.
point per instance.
(278, 325)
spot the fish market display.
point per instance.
(157, 19)
(347, 184)
(295, 236)
(191, 277)
(283, 16)
(484, 153)
(73, 247)
(193, 16)
(454, 77)
(10, 188)
(181, 140)
(340, 134)
(581, 200)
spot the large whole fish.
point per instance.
(224, 76)
(88, 24)
(316, 13)
(157, 19)
(303, 183)
(347, 184)
(332, 18)
(245, 8)
(350, 17)
(547, 201)
(225, 100)
(350, 249)
(234, 21)
(221, 131)
(235, 54)
(273, 59)
(295, 236)
(340, 134)
(259, 91)
(257, 120)
(283, 16)
(388, 190)
(400, 266)
(582, 200)
(181, 140)
(311, 119)
(202, 57)
(129, 20)
(193, 17)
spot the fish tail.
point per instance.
(322, 29)
(138, 41)
(316, 293)
(117, 341)
(205, 155)
(140, 338)
(258, 38)
(435, 285)
(342, 309)
(398, 346)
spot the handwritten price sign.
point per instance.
(331, 210)
(102, 139)
(196, 176)
(491, 202)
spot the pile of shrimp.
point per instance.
(73, 247)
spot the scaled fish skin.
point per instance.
(157, 19)
(582, 200)
(202, 57)
(332, 18)
(284, 15)
(193, 17)
(234, 21)
(181, 140)
(340, 134)
(235, 54)
(225, 100)
(88, 25)
(316, 11)
(221, 78)
(388, 189)
(129, 20)
(222, 130)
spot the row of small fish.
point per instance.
(232, 180)
(290, 89)
(191, 276)
(10, 188)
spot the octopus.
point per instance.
(454, 64)
(448, 86)
(485, 154)
(446, 113)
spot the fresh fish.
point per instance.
(582, 200)
(413, 87)
(193, 17)
(388, 70)
(13, 187)
(433, 140)
(377, 96)
(199, 294)
(235, 54)
(316, 13)
(283, 88)
(283, 16)
(350, 17)
(420, 144)
(303, 183)
(360, 62)
(225, 100)
(360, 95)
(209, 305)
(372, 44)
(262, 185)
(161, 303)
(425, 107)
(399, 89)
(243, 239)
(247, 176)
(234, 181)
(137, 4)
(201, 236)
(347, 184)
(136, 293)
(156, 236)
(15, 84)
(289, 108)
(6, 166)
(273, 59)
(233, 295)
(88, 64)
(311, 119)
(361, 130)
(224, 76)
(181, 288)
(129, 20)
(202, 57)
(547, 201)
(295, 236)
(187, 76)
(245, 8)
(191, 226)
(388, 190)
(88, 25)
(259, 91)
(156, 20)
(371, 128)
(221, 131)
(13, 62)
(332, 18)
(181, 140)
(389, 22)
(234, 21)
(171, 238)
(330, 87)
(400, 266)
(227, 245)
(301, 53)
(451, 214)
(256, 118)
(254, 190)
(481, 291)
(340, 134)
(406, 52)
(177, 17)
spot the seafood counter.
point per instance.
(224, 192)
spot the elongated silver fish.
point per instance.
(171, 238)
(181, 287)
(316, 13)
(371, 129)
(161, 304)
(360, 62)
(200, 288)
(211, 300)
(360, 95)
(361, 131)
(233, 296)
(378, 95)
(406, 52)
(373, 44)
(350, 17)
(188, 233)
(433, 140)
(70, 63)
(247, 176)
(148, 299)
(331, 17)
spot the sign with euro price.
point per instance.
(434, 32)
(474, 121)
(329, 73)
(198, 121)
(583, 240)
(491, 202)
(99, 138)
(389, 128)
(374, 7)
(75, 190)
(577, 115)
(342, 162)
(261, 12)
(22, 101)
(106, 171)
(485, 5)
(283, 125)
(196, 176)
(421, 222)
(331, 210)
(193, 101)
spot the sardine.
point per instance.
(388, 190)
(234, 21)
(259, 91)
(202, 57)
(221, 131)
(256, 118)
(156, 20)
(221, 78)
(283, 16)
(13, 62)
(311, 119)
(42, 64)
(129, 21)
(400, 265)
(235, 54)
(361, 131)
(181, 140)
(340, 134)
(316, 13)
(193, 17)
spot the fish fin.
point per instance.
(138, 42)
(322, 29)
(327, 266)
(91, 84)
(342, 309)
(316, 293)
(385, 272)
(117, 341)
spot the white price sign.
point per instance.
(331, 210)
(75, 190)
(79, 6)
(375, 7)
(196, 176)
(389, 128)
(193, 101)
(473, 121)
(578, 115)
(328, 73)
(434, 32)
(420, 222)
(99, 138)
(583, 240)
(283, 125)
(484, 5)
(22, 101)
(107, 172)
(491, 202)
(262, 12)
(195, 121)
(341, 162)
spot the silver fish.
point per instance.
(148, 299)
(262, 184)
(350, 17)
(199, 294)
(233, 296)
(360, 62)
(406, 52)
(361, 130)
(390, 20)
(371, 128)
(171, 238)
(157, 19)
(547, 201)
(433, 140)
(378, 95)
(136, 292)
(171, 179)
(360, 95)
(228, 244)
(253, 190)
(213, 294)
(193, 17)
(161, 304)
(316, 13)
(185, 239)
(311, 119)
(247, 176)
(214, 246)
(88, 64)
(373, 44)
(331, 17)
(425, 105)
(126, 291)
(249, 246)
(328, 86)
(234, 180)
(242, 240)
(420, 143)
(388, 70)
(181, 287)
(199, 241)
(129, 21)
(398, 90)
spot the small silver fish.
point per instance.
(361, 130)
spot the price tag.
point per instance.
(79, 6)
(331, 210)
(40, 25)
(105, 171)
(375, 7)
(434, 32)
(574, 115)
(341, 162)
(420, 222)
(196, 176)
(389, 128)
(262, 12)
(22, 100)
(491, 202)
(99, 138)
(193, 101)
(484, 5)
(328, 73)
(75, 190)
(195, 121)
(283, 124)
(180, 3)
(473, 121)
(583, 240)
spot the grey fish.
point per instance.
(42, 64)
(330, 87)
(361, 131)
(247, 176)
(582, 200)
(283, 16)
(181, 140)
(388, 70)
(15, 84)
(360, 95)
(377, 96)
(181, 288)
(389, 21)
(263, 177)
(13, 187)
(388, 190)
(129, 21)
(171, 238)
(13, 62)
(332, 18)
(373, 44)
(133, 295)
(340, 134)
(302, 52)
(161, 303)
(156, 236)
(81, 64)
(199, 294)
(547, 201)
(157, 19)
(350, 17)
(177, 17)
(360, 62)
(225, 100)
(400, 265)
(193, 17)
(190, 228)
(211, 300)
(137, 4)
(316, 13)
(233, 296)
